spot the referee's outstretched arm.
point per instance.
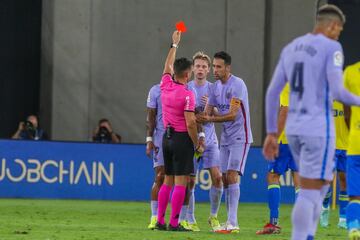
(170, 59)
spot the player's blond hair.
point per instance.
(329, 12)
(201, 55)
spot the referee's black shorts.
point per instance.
(178, 154)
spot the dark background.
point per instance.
(20, 24)
(350, 37)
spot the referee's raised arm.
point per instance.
(170, 59)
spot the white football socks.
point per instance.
(304, 213)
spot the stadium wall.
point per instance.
(100, 58)
(70, 170)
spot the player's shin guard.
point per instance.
(274, 202)
(190, 213)
(177, 201)
(303, 213)
(233, 199)
(215, 200)
(343, 202)
(353, 215)
(163, 199)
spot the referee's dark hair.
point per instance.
(224, 56)
(181, 65)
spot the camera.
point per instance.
(103, 135)
(29, 130)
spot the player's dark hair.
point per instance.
(224, 56)
(181, 65)
(328, 12)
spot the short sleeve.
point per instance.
(192, 89)
(151, 100)
(189, 101)
(284, 96)
(335, 58)
(165, 80)
(239, 91)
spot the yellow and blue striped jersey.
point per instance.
(341, 130)
(284, 101)
(352, 82)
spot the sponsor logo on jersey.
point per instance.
(228, 94)
(223, 107)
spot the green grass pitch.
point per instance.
(101, 220)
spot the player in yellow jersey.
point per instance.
(341, 120)
(352, 82)
(282, 164)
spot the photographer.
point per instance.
(30, 130)
(104, 133)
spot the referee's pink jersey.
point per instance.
(176, 99)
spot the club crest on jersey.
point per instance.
(338, 59)
(228, 94)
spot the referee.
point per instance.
(180, 140)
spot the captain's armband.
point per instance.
(235, 102)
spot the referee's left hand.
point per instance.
(271, 147)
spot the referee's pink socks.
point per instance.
(163, 199)
(177, 201)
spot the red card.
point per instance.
(180, 26)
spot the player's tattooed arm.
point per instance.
(235, 105)
(150, 127)
(209, 110)
(170, 59)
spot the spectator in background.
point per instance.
(103, 133)
(30, 130)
